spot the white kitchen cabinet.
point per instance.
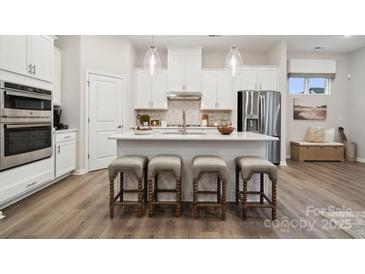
(184, 69)
(65, 153)
(256, 78)
(19, 181)
(159, 90)
(57, 78)
(217, 90)
(30, 55)
(40, 56)
(209, 89)
(246, 78)
(267, 78)
(224, 90)
(150, 91)
(13, 53)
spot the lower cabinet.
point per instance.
(18, 181)
(65, 153)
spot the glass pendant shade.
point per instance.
(152, 61)
(233, 60)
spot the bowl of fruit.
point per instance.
(225, 129)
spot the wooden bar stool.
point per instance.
(248, 166)
(133, 164)
(210, 165)
(158, 164)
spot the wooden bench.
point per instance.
(305, 151)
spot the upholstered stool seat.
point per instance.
(211, 165)
(134, 164)
(248, 166)
(164, 163)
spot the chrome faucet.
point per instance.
(183, 130)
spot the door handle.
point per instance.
(34, 72)
(30, 69)
(120, 126)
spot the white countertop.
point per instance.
(65, 130)
(208, 136)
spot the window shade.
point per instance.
(312, 68)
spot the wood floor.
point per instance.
(77, 207)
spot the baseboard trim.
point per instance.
(80, 172)
(2, 216)
(361, 160)
(283, 163)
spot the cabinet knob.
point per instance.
(120, 126)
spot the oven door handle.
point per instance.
(28, 125)
(29, 95)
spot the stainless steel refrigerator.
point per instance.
(260, 111)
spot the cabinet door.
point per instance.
(65, 157)
(159, 90)
(143, 90)
(57, 78)
(176, 72)
(209, 89)
(246, 79)
(267, 78)
(224, 90)
(40, 55)
(13, 53)
(193, 70)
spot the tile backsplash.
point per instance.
(173, 115)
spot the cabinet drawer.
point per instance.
(17, 181)
(67, 136)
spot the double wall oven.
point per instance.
(25, 124)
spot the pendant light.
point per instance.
(233, 59)
(152, 61)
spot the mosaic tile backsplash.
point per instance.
(194, 114)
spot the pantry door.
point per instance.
(105, 118)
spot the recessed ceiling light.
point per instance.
(320, 47)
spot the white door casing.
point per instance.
(106, 118)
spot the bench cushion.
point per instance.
(250, 165)
(165, 162)
(317, 144)
(131, 163)
(210, 163)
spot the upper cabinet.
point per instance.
(40, 56)
(184, 69)
(150, 90)
(30, 55)
(217, 93)
(57, 79)
(13, 53)
(256, 78)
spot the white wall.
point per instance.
(356, 102)
(103, 54)
(337, 102)
(71, 79)
(213, 60)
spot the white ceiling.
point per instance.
(260, 43)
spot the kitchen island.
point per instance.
(195, 143)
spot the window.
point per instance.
(309, 86)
